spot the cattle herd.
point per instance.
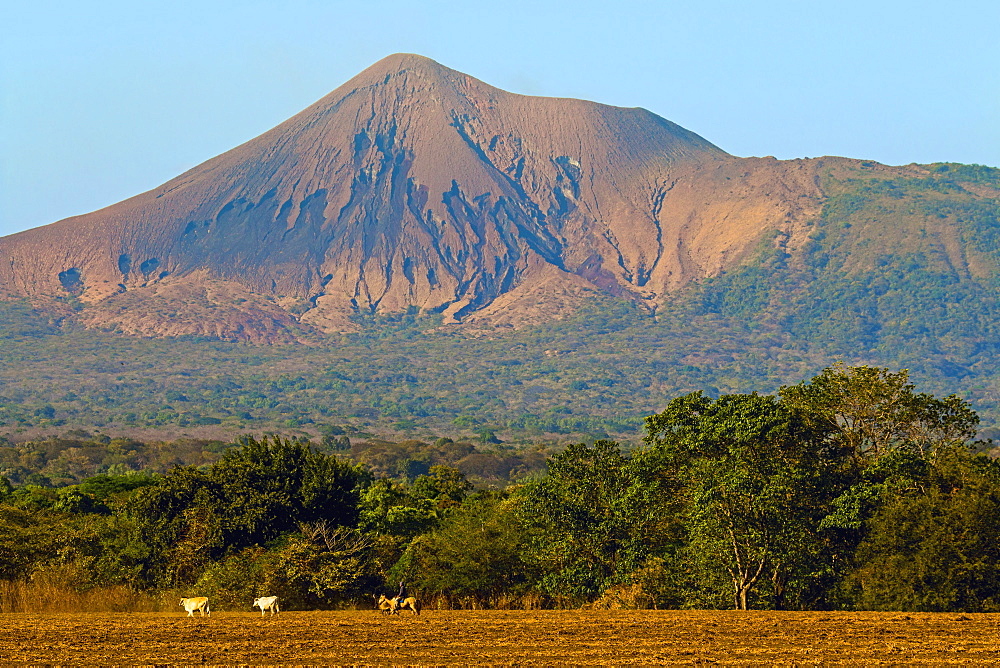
(388, 606)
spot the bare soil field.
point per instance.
(501, 637)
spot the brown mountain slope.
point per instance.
(414, 185)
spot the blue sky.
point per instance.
(103, 100)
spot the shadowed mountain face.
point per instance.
(416, 186)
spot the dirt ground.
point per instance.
(578, 637)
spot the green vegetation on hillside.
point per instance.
(898, 272)
(581, 376)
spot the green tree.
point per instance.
(200, 540)
(169, 516)
(893, 434)
(932, 543)
(322, 565)
(391, 508)
(754, 485)
(270, 486)
(583, 535)
(445, 485)
(26, 540)
(119, 554)
(871, 410)
(253, 495)
(234, 581)
(480, 552)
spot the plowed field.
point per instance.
(501, 637)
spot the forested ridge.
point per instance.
(851, 490)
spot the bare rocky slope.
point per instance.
(416, 186)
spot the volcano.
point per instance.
(417, 187)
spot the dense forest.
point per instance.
(851, 490)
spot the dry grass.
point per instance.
(54, 592)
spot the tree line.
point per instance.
(847, 491)
(61, 461)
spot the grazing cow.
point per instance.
(266, 603)
(196, 603)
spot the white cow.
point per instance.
(196, 603)
(266, 603)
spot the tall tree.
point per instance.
(272, 485)
(480, 553)
(893, 434)
(753, 484)
(254, 494)
(584, 540)
(871, 410)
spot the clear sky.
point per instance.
(105, 99)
